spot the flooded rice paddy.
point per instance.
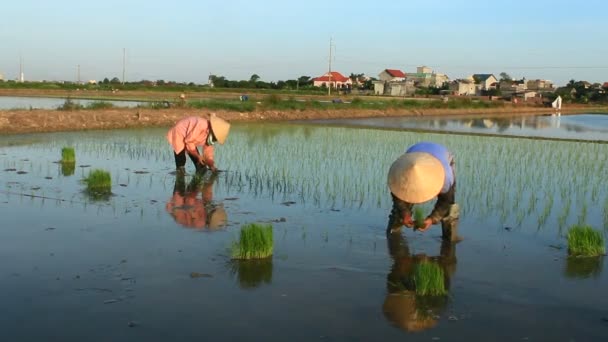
(152, 261)
(16, 102)
(592, 127)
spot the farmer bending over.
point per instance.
(193, 131)
(424, 171)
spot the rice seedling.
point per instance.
(99, 183)
(67, 169)
(428, 278)
(583, 267)
(252, 273)
(585, 241)
(255, 242)
(68, 155)
(418, 218)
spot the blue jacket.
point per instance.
(445, 157)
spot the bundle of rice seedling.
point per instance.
(255, 242)
(428, 278)
(419, 218)
(99, 183)
(68, 155)
(585, 241)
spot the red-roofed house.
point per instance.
(605, 85)
(333, 79)
(390, 75)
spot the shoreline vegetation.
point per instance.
(164, 109)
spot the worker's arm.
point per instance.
(208, 152)
(401, 214)
(442, 207)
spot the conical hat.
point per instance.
(400, 309)
(220, 128)
(416, 177)
(217, 218)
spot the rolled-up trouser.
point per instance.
(180, 160)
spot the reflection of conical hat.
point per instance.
(217, 218)
(220, 128)
(400, 308)
(416, 177)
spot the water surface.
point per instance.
(14, 102)
(576, 127)
(121, 269)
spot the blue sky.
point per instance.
(187, 40)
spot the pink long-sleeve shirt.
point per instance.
(189, 133)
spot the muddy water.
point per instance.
(149, 264)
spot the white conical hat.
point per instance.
(220, 128)
(416, 177)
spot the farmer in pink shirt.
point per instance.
(193, 131)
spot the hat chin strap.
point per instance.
(211, 139)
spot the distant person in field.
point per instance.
(423, 172)
(191, 132)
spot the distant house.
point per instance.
(393, 82)
(463, 87)
(510, 87)
(605, 85)
(484, 82)
(426, 77)
(540, 85)
(391, 75)
(332, 79)
(395, 88)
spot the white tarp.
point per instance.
(557, 104)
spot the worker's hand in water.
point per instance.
(213, 168)
(426, 225)
(407, 221)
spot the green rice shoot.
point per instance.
(255, 242)
(419, 217)
(428, 278)
(68, 155)
(68, 168)
(98, 182)
(583, 240)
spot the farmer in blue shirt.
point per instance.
(423, 172)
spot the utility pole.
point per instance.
(21, 77)
(329, 83)
(124, 52)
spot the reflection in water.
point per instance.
(67, 168)
(252, 273)
(193, 211)
(583, 267)
(580, 126)
(402, 306)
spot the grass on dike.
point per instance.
(428, 278)
(276, 102)
(255, 242)
(583, 240)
